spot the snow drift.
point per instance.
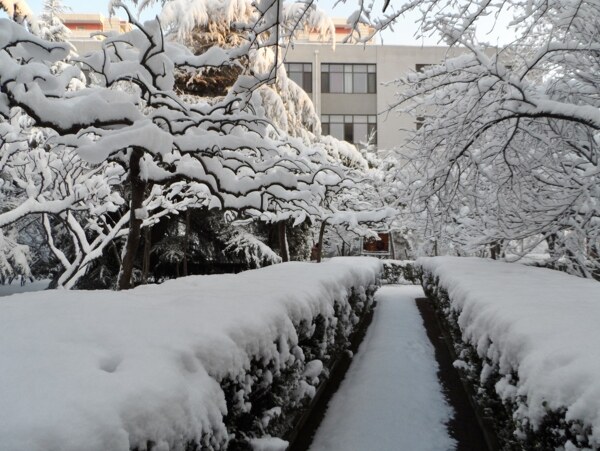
(203, 360)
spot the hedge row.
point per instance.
(497, 390)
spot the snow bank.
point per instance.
(529, 340)
(209, 360)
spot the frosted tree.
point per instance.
(512, 134)
(202, 24)
(228, 149)
(51, 26)
(14, 259)
(19, 11)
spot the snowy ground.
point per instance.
(391, 398)
(15, 287)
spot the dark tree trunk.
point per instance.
(186, 238)
(283, 245)
(495, 249)
(147, 249)
(138, 187)
(321, 235)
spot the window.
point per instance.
(355, 128)
(422, 67)
(301, 74)
(348, 78)
(420, 121)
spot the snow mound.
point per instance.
(536, 331)
(103, 370)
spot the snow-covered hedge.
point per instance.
(201, 362)
(399, 272)
(528, 339)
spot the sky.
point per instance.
(403, 33)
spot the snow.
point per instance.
(539, 324)
(100, 370)
(391, 398)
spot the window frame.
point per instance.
(305, 75)
(348, 123)
(349, 74)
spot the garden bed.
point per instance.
(528, 342)
(203, 362)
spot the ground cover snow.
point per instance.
(104, 370)
(536, 333)
(391, 398)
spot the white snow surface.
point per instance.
(540, 324)
(391, 398)
(104, 370)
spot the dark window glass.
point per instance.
(371, 83)
(307, 81)
(301, 74)
(349, 132)
(325, 128)
(325, 82)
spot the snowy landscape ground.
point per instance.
(391, 398)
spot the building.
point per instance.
(84, 26)
(351, 85)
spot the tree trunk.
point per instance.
(138, 187)
(321, 235)
(147, 249)
(186, 238)
(494, 250)
(284, 252)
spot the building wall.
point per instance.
(391, 62)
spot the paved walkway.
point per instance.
(391, 399)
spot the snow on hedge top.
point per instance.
(540, 324)
(105, 370)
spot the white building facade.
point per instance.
(352, 87)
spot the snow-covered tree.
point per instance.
(228, 148)
(509, 149)
(19, 11)
(51, 27)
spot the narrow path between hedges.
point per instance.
(391, 398)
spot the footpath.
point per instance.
(391, 398)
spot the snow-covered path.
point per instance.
(391, 399)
